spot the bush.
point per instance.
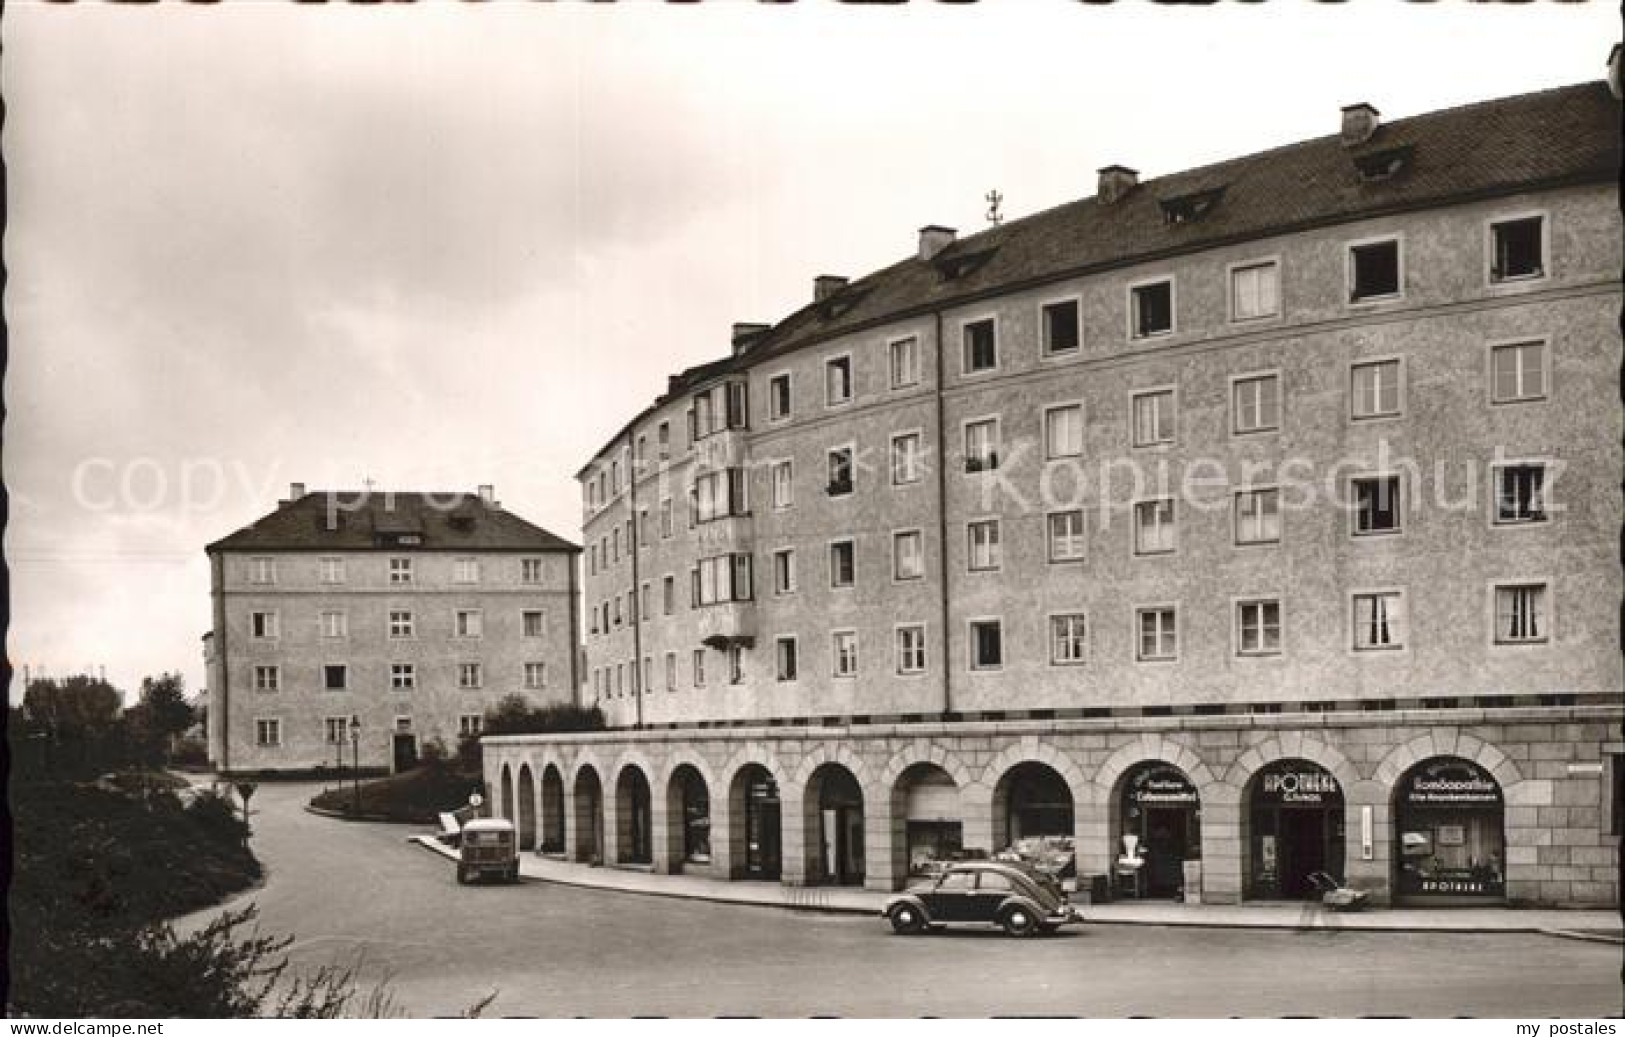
(217, 815)
(191, 754)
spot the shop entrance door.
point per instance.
(1165, 839)
(1303, 850)
(763, 846)
(1295, 821)
(841, 845)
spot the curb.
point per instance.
(1617, 939)
(341, 815)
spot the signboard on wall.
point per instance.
(1297, 783)
(1450, 783)
(1161, 785)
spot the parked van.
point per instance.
(489, 847)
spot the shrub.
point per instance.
(218, 816)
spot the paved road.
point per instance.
(550, 950)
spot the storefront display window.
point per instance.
(1295, 821)
(1160, 809)
(1450, 830)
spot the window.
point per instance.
(1060, 321)
(668, 595)
(840, 471)
(1376, 505)
(778, 397)
(699, 667)
(719, 494)
(982, 445)
(736, 665)
(665, 518)
(1517, 249)
(1374, 270)
(1518, 372)
(469, 724)
(466, 570)
(267, 678)
(533, 622)
(1068, 639)
(400, 624)
(535, 675)
(1063, 431)
(1066, 536)
(1258, 516)
(983, 537)
(737, 401)
(1374, 389)
(1258, 627)
(332, 570)
(1255, 291)
(842, 563)
(784, 571)
(268, 733)
(785, 651)
(1153, 414)
(908, 555)
(1159, 640)
(468, 675)
(400, 570)
(335, 676)
(264, 625)
(782, 484)
(671, 671)
(1154, 526)
(837, 380)
(1520, 614)
(615, 543)
(1152, 308)
(335, 624)
(530, 570)
(986, 644)
(1255, 404)
(846, 653)
(1520, 494)
(648, 683)
(262, 570)
(722, 578)
(703, 420)
(981, 345)
(911, 649)
(335, 730)
(664, 439)
(905, 363)
(469, 623)
(648, 610)
(403, 676)
(905, 458)
(1379, 621)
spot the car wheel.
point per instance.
(1018, 921)
(462, 875)
(906, 920)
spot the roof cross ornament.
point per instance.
(994, 198)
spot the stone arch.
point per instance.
(586, 813)
(527, 807)
(1295, 746)
(633, 822)
(838, 754)
(687, 831)
(833, 802)
(1031, 750)
(940, 829)
(553, 799)
(1029, 753)
(505, 792)
(919, 751)
(733, 835)
(1408, 754)
(1150, 746)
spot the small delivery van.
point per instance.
(488, 847)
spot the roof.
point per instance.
(489, 824)
(383, 520)
(1567, 135)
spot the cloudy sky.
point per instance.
(437, 245)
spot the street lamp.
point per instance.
(355, 746)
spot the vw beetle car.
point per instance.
(986, 892)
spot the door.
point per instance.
(1165, 841)
(954, 899)
(1303, 850)
(406, 752)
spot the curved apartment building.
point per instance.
(1250, 521)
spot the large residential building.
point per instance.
(1243, 523)
(364, 625)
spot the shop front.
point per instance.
(932, 827)
(1295, 828)
(1160, 812)
(695, 802)
(840, 826)
(764, 857)
(1038, 803)
(1449, 830)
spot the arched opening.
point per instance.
(833, 807)
(1294, 829)
(754, 825)
(1156, 819)
(928, 825)
(552, 810)
(506, 804)
(1449, 834)
(688, 814)
(589, 817)
(527, 808)
(1031, 801)
(632, 821)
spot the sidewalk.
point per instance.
(1594, 925)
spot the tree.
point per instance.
(75, 707)
(164, 698)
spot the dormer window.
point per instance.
(960, 264)
(1191, 207)
(1382, 165)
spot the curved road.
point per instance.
(547, 950)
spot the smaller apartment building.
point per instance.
(368, 624)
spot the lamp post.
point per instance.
(355, 746)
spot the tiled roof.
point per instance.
(1552, 137)
(376, 520)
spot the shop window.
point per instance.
(1450, 830)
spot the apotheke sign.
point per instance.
(1298, 786)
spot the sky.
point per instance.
(437, 245)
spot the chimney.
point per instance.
(827, 286)
(295, 491)
(488, 495)
(744, 334)
(934, 239)
(1359, 123)
(1114, 183)
(1614, 86)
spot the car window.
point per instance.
(993, 882)
(958, 880)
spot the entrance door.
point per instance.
(406, 752)
(763, 854)
(1296, 829)
(840, 850)
(1303, 850)
(1165, 840)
